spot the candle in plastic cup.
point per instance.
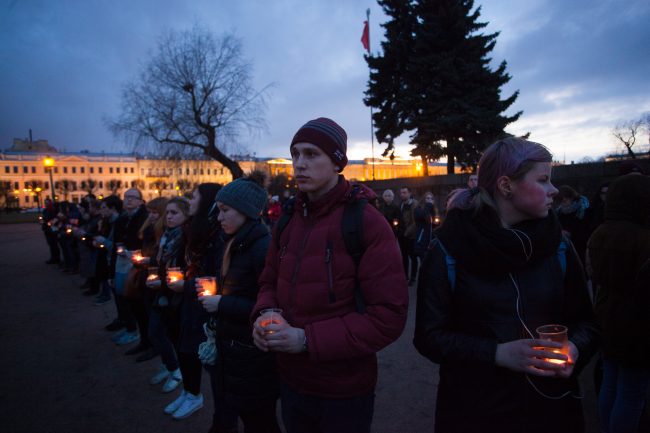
(557, 334)
(120, 249)
(136, 256)
(174, 274)
(153, 274)
(270, 316)
(208, 285)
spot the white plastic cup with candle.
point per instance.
(119, 248)
(207, 285)
(174, 274)
(153, 279)
(271, 316)
(557, 334)
(136, 256)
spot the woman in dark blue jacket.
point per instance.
(243, 377)
(499, 270)
(203, 245)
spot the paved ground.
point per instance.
(60, 372)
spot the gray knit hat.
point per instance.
(244, 195)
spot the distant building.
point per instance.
(27, 145)
(75, 174)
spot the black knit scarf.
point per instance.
(480, 244)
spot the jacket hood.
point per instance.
(628, 199)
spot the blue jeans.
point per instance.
(622, 397)
(309, 414)
(160, 341)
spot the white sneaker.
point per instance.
(119, 334)
(175, 378)
(174, 405)
(191, 404)
(127, 338)
(162, 374)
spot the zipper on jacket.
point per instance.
(283, 251)
(330, 278)
(294, 277)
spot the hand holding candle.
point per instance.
(270, 319)
(206, 286)
(153, 280)
(559, 334)
(175, 279)
(138, 259)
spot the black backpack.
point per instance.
(351, 230)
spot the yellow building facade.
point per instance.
(25, 178)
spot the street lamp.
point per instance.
(38, 190)
(49, 164)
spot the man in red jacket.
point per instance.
(326, 348)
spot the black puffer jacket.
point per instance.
(619, 251)
(242, 369)
(460, 328)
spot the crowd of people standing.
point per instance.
(298, 312)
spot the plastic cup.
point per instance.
(270, 316)
(152, 274)
(557, 334)
(208, 285)
(174, 274)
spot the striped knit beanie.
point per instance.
(328, 136)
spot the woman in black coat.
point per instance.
(499, 270)
(619, 252)
(243, 377)
(426, 219)
(203, 244)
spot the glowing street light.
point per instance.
(49, 164)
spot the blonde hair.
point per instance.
(158, 204)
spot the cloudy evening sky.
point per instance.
(581, 66)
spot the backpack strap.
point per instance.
(352, 231)
(283, 221)
(449, 261)
(561, 255)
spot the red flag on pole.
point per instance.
(365, 36)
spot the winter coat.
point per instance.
(619, 251)
(392, 214)
(311, 276)
(460, 328)
(242, 369)
(193, 315)
(129, 227)
(407, 226)
(424, 218)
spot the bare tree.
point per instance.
(194, 94)
(65, 187)
(160, 185)
(89, 185)
(5, 192)
(114, 185)
(184, 185)
(627, 132)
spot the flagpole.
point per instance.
(372, 129)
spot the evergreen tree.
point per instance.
(450, 99)
(387, 87)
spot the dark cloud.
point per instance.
(62, 64)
